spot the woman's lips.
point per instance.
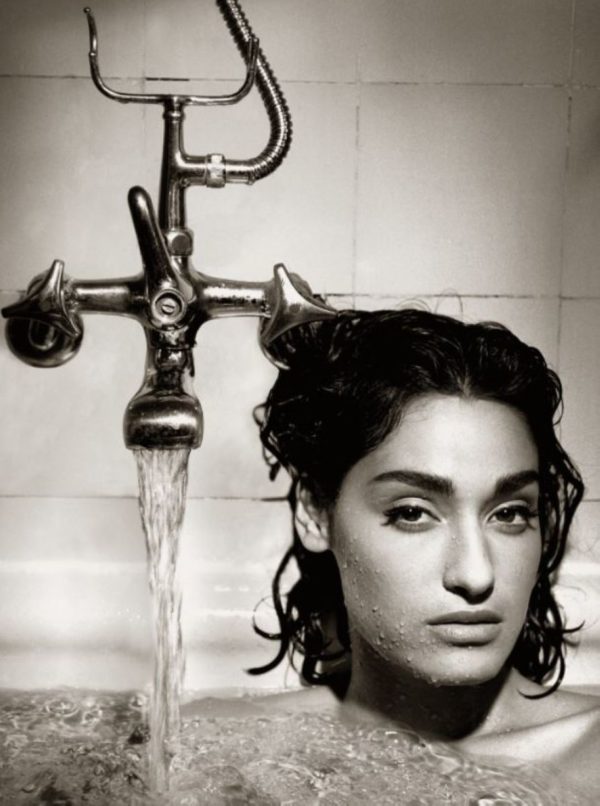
(467, 627)
(467, 617)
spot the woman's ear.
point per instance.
(311, 522)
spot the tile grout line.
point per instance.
(144, 42)
(567, 160)
(126, 497)
(320, 82)
(355, 178)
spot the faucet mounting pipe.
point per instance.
(170, 299)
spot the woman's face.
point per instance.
(437, 539)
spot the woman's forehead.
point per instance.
(456, 437)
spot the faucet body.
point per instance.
(169, 298)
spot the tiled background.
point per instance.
(443, 151)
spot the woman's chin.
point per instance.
(467, 666)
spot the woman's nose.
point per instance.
(468, 569)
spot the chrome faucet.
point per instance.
(169, 298)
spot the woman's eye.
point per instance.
(408, 516)
(514, 517)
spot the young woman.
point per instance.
(431, 502)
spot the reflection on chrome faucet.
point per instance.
(169, 298)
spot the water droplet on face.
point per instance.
(375, 609)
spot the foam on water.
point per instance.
(71, 747)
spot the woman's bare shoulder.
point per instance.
(577, 722)
(561, 731)
(530, 705)
(533, 711)
(565, 704)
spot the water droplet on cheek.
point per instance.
(399, 629)
(375, 609)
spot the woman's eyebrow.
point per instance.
(507, 485)
(425, 481)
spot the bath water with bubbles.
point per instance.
(73, 747)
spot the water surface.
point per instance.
(72, 747)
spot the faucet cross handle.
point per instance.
(44, 301)
(41, 329)
(291, 303)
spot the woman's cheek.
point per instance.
(361, 582)
(374, 597)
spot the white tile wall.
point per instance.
(51, 39)
(429, 160)
(308, 41)
(62, 430)
(578, 591)
(84, 530)
(100, 669)
(462, 202)
(586, 52)
(584, 540)
(69, 157)
(582, 240)
(580, 337)
(232, 377)
(73, 580)
(466, 41)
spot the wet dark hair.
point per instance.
(346, 385)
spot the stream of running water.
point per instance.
(162, 478)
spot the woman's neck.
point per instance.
(438, 711)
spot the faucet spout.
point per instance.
(165, 412)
